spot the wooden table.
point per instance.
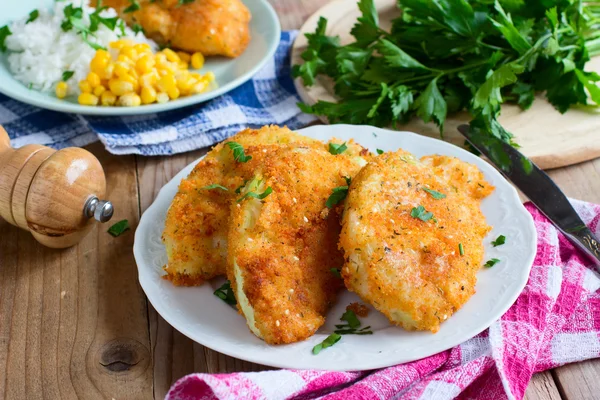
(76, 324)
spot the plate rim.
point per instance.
(67, 107)
(264, 360)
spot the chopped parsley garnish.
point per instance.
(255, 195)
(328, 342)
(30, 86)
(134, 6)
(4, 33)
(491, 263)
(435, 194)
(338, 194)
(352, 325)
(225, 293)
(350, 317)
(461, 249)
(238, 152)
(74, 20)
(137, 28)
(215, 186)
(67, 75)
(336, 272)
(32, 16)
(239, 189)
(421, 213)
(336, 149)
(500, 240)
(119, 228)
(182, 2)
(379, 151)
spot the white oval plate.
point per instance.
(229, 73)
(203, 317)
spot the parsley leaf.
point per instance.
(137, 28)
(336, 272)
(431, 105)
(119, 228)
(134, 6)
(255, 195)
(435, 194)
(328, 342)
(379, 151)
(225, 293)
(67, 75)
(336, 149)
(238, 152)
(350, 317)
(420, 213)
(32, 16)
(182, 2)
(490, 263)
(4, 33)
(461, 249)
(500, 240)
(215, 186)
(338, 195)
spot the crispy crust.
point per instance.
(409, 269)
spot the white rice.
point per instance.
(40, 51)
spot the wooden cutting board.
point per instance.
(549, 138)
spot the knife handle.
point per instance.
(589, 243)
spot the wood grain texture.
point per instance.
(73, 323)
(176, 355)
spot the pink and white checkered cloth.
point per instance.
(555, 321)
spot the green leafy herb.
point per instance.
(379, 151)
(350, 317)
(4, 33)
(74, 20)
(118, 228)
(352, 325)
(500, 240)
(215, 186)
(133, 6)
(420, 213)
(461, 249)
(182, 2)
(435, 194)
(67, 75)
(337, 196)
(225, 293)
(328, 342)
(137, 28)
(255, 195)
(30, 86)
(32, 16)
(444, 56)
(238, 152)
(336, 149)
(491, 263)
(336, 272)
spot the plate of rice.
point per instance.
(68, 56)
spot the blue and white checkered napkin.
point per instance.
(268, 98)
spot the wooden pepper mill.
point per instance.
(55, 195)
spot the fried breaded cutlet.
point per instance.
(283, 244)
(405, 225)
(195, 234)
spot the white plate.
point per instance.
(203, 317)
(229, 73)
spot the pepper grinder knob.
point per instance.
(55, 195)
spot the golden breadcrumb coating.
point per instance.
(409, 269)
(195, 234)
(282, 248)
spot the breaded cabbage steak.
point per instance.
(195, 234)
(283, 242)
(412, 236)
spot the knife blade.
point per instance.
(538, 187)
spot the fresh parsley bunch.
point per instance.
(443, 56)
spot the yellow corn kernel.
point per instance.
(183, 65)
(134, 74)
(130, 52)
(120, 87)
(101, 53)
(61, 90)
(125, 60)
(183, 56)
(85, 87)
(98, 90)
(162, 97)
(119, 44)
(197, 76)
(107, 72)
(160, 58)
(108, 98)
(149, 79)
(129, 100)
(166, 83)
(185, 84)
(87, 99)
(121, 69)
(133, 81)
(142, 48)
(145, 64)
(164, 69)
(209, 76)
(171, 55)
(98, 64)
(197, 60)
(148, 95)
(199, 87)
(93, 79)
(173, 93)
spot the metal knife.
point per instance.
(538, 186)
